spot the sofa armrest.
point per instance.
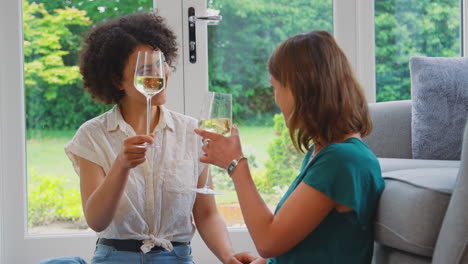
(452, 243)
(391, 133)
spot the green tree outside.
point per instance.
(239, 48)
(405, 28)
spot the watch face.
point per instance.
(231, 167)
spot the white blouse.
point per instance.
(157, 202)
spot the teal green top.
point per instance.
(349, 173)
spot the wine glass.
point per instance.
(215, 116)
(149, 79)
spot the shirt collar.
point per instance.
(165, 119)
(116, 119)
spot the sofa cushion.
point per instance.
(388, 164)
(387, 255)
(439, 92)
(412, 207)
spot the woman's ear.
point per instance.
(167, 70)
(117, 83)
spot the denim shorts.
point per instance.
(182, 254)
(64, 260)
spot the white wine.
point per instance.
(220, 126)
(149, 85)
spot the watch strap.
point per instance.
(233, 165)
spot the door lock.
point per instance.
(192, 19)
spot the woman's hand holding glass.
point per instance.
(220, 150)
(216, 117)
(132, 154)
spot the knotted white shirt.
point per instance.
(157, 202)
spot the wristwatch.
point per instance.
(233, 165)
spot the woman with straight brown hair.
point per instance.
(326, 215)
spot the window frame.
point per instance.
(356, 37)
(464, 27)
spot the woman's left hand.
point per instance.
(220, 150)
(241, 258)
(259, 260)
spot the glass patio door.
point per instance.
(42, 105)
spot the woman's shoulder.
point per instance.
(351, 148)
(94, 123)
(349, 153)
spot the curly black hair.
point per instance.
(108, 46)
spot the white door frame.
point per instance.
(192, 78)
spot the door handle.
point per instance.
(212, 20)
(192, 19)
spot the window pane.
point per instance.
(239, 48)
(56, 104)
(405, 28)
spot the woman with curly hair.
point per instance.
(326, 216)
(139, 200)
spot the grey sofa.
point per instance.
(422, 215)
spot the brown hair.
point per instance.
(108, 46)
(328, 101)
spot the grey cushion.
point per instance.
(387, 164)
(439, 91)
(452, 244)
(412, 207)
(391, 129)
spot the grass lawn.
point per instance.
(45, 154)
(256, 139)
(226, 197)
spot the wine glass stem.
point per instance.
(208, 174)
(148, 114)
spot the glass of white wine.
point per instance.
(216, 117)
(149, 79)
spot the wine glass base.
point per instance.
(147, 145)
(206, 190)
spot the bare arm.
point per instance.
(212, 228)
(273, 235)
(101, 193)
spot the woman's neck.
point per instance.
(318, 146)
(135, 115)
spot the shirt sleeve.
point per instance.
(84, 145)
(339, 176)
